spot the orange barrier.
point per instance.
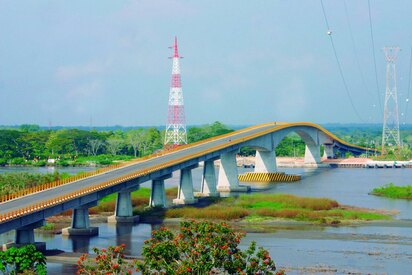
(44, 204)
(39, 188)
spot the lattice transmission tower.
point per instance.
(176, 122)
(390, 131)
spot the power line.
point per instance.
(339, 64)
(409, 86)
(374, 57)
(355, 52)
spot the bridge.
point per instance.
(27, 210)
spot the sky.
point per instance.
(101, 62)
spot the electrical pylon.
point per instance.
(176, 122)
(390, 131)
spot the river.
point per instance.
(377, 248)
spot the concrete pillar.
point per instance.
(25, 235)
(185, 193)
(312, 154)
(228, 174)
(265, 161)
(329, 151)
(158, 194)
(80, 222)
(124, 210)
(208, 188)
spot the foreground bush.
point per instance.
(199, 248)
(106, 261)
(25, 259)
(203, 248)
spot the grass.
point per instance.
(250, 208)
(395, 192)
(261, 207)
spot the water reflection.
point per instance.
(80, 244)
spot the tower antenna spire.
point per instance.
(175, 134)
(390, 132)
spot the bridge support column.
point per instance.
(329, 151)
(265, 161)
(312, 154)
(228, 175)
(158, 194)
(25, 235)
(185, 193)
(208, 188)
(80, 222)
(124, 210)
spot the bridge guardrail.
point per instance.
(44, 204)
(42, 187)
(75, 194)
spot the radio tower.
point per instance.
(176, 123)
(390, 132)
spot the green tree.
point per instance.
(23, 259)
(202, 247)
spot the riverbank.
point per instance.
(249, 211)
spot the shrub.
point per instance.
(106, 261)
(202, 248)
(23, 259)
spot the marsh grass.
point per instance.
(279, 206)
(393, 191)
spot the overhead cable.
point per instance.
(355, 52)
(374, 57)
(339, 64)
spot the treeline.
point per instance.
(31, 145)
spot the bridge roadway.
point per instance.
(236, 137)
(264, 138)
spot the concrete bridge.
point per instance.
(24, 212)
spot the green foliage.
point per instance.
(13, 182)
(292, 146)
(106, 261)
(23, 259)
(393, 191)
(48, 226)
(207, 131)
(267, 206)
(202, 247)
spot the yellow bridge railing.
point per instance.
(45, 204)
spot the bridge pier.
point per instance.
(228, 175)
(185, 193)
(265, 161)
(80, 222)
(25, 235)
(312, 154)
(158, 194)
(208, 187)
(329, 151)
(123, 212)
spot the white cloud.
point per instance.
(74, 72)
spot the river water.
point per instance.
(376, 248)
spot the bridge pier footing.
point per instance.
(25, 235)
(124, 210)
(208, 187)
(80, 222)
(185, 193)
(228, 175)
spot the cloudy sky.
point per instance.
(105, 62)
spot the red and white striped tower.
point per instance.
(176, 122)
